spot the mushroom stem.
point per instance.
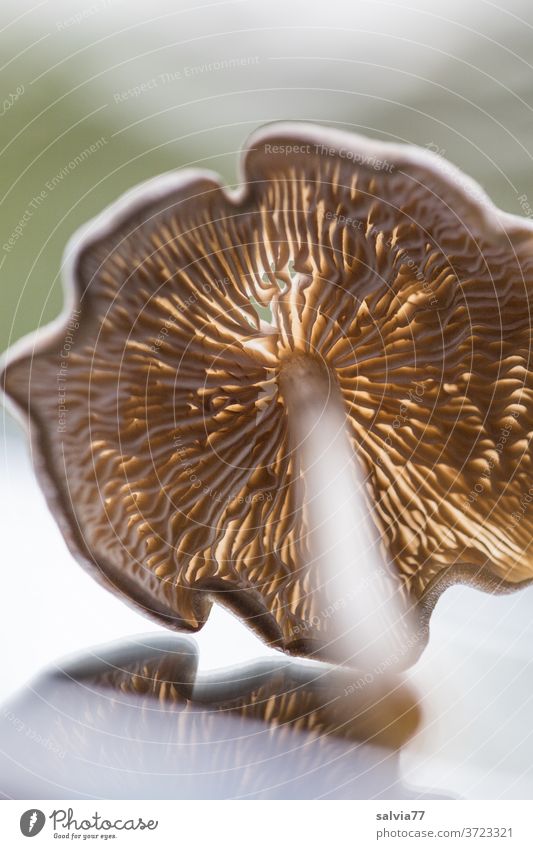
(360, 607)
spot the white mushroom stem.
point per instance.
(363, 616)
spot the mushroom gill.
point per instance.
(157, 407)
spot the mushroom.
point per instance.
(159, 405)
(137, 719)
(316, 698)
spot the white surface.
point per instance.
(478, 738)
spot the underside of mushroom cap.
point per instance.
(156, 407)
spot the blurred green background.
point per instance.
(172, 84)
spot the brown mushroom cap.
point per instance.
(170, 469)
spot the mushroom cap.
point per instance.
(158, 426)
(136, 718)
